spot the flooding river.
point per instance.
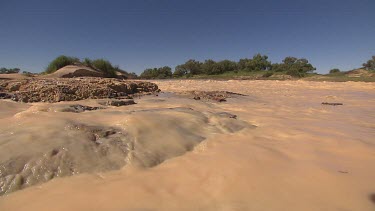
(275, 148)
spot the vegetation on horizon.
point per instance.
(257, 68)
(290, 65)
(4, 70)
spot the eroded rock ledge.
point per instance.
(71, 89)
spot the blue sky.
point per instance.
(150, 33)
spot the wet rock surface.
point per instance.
(117, 103)
(71, 89)
(80, 108)
(4, 95)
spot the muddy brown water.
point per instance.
(52, 140)
(277, 148)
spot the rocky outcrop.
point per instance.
(71, 89)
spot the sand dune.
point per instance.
(302, 155)
(71, 71)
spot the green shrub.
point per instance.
(105, 66)
(87, 62)
(60, 62)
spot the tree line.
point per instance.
(4, 70)
(298, 67)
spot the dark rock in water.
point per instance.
(372, 198)
(219, 96)
(118, 102)
(124, 97)
(5, 95)
(332, 104)
(228, 115)
(219, 99)
(80, 108)
(73, 89)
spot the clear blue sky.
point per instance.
(150, 33)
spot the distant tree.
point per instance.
(192, 67)
(257, 63)
(335, 70)
(179, 71)
(209, 67)
(290, 60)
(277, 67)
(243, 64)
(164, 72)
(224, 66)
(148, 73)
(294, 67)
(132, 75)
(299, 68)
(260, 62)
(157, 73)
(370, 64)
(60, 62)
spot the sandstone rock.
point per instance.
(72, 89)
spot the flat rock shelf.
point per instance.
(71, 89)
